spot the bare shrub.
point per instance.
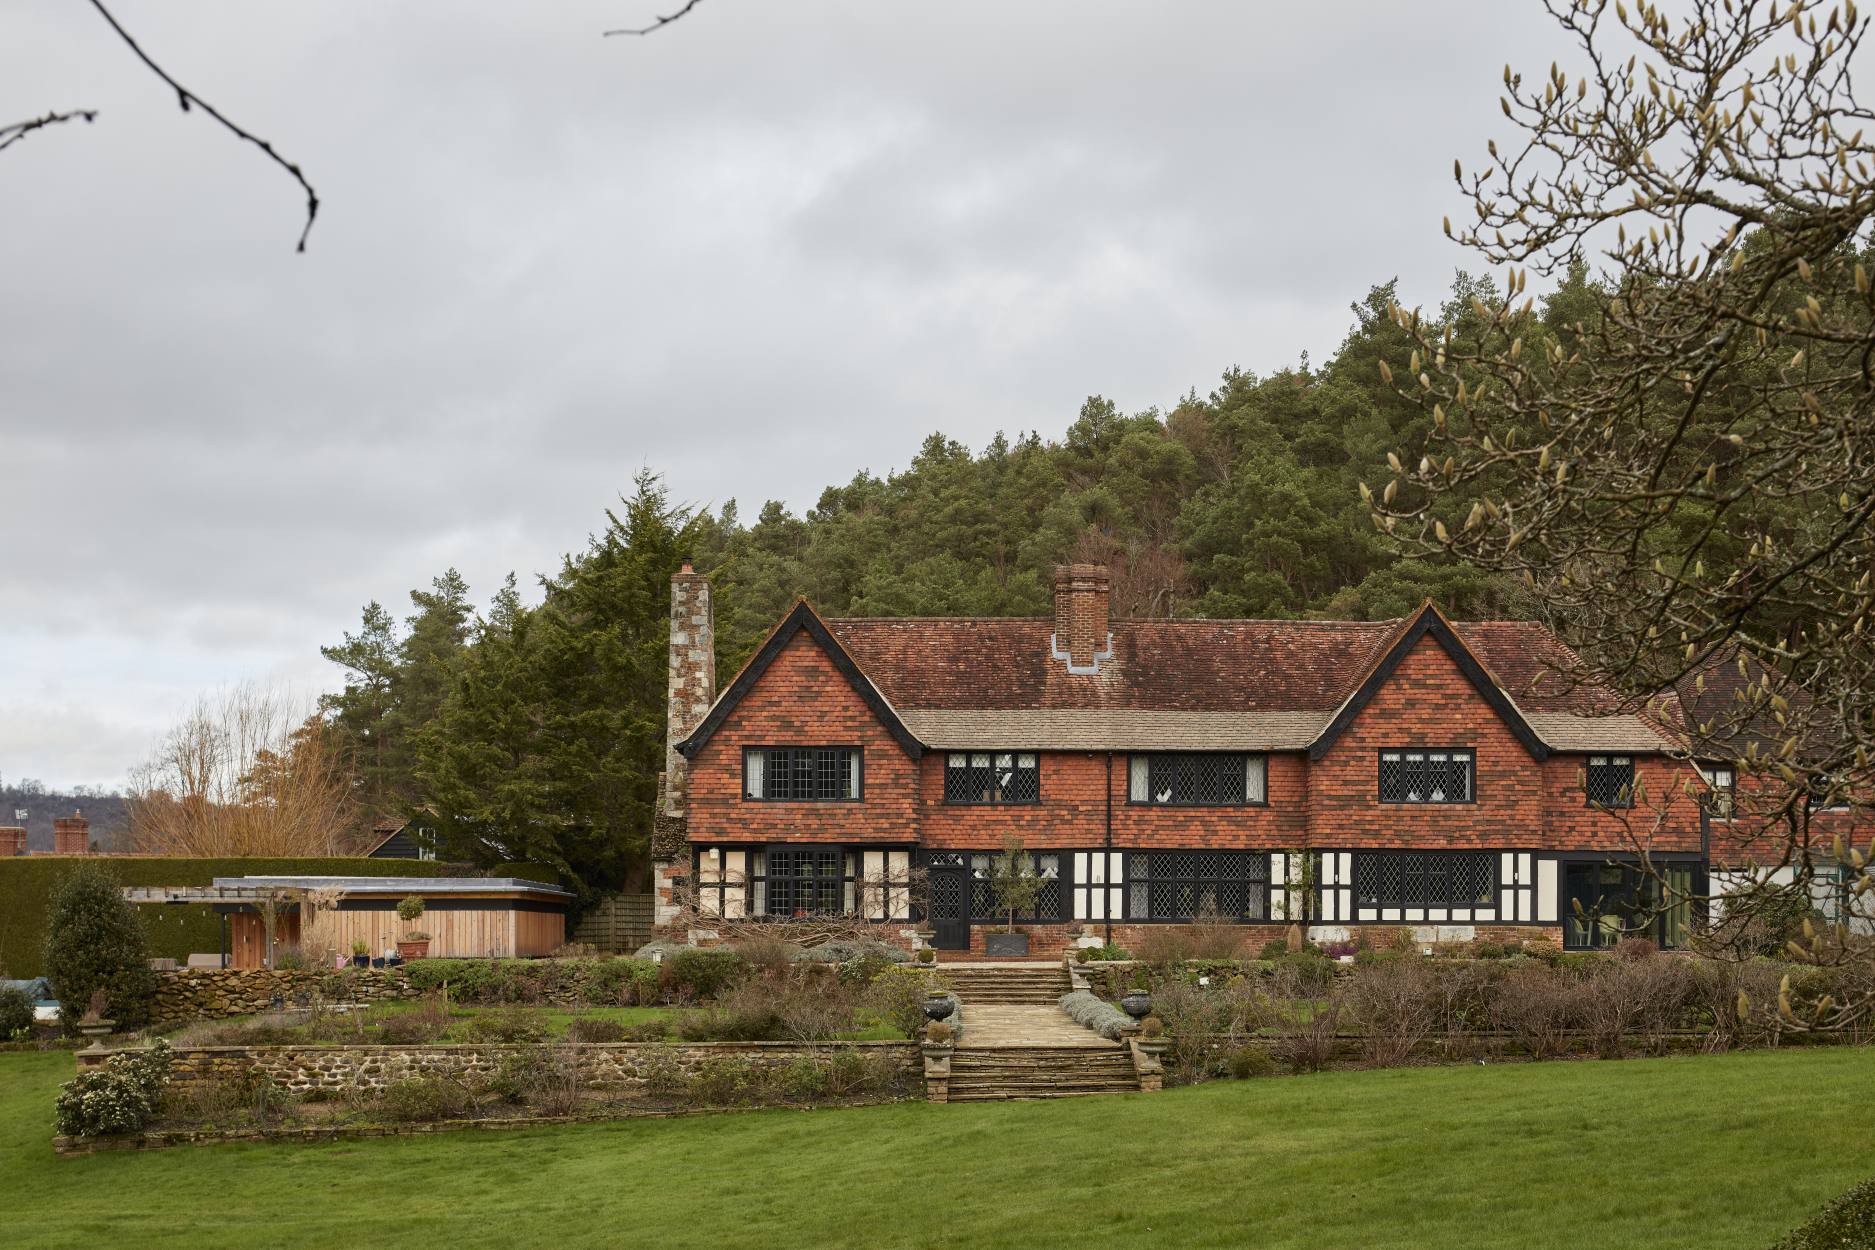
(1538, 1008)
(594, 1029)
(426, 1022)
(1394, 1004)
(1206, 1024)
(1305, 1039)
(898, 999)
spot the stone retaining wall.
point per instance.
(217, 993)
(609, 1065)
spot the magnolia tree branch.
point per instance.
(1676, 453)
(657, 25)
(188, 99)
(10, 135)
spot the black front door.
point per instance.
(950, 911)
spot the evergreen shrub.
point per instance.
(95, 941)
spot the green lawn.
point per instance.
(1714, 1153)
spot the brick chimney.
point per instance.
(12, 841)
(71, 835)
(1081, 636)
(692, 677)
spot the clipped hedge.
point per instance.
(1848, 1223)
(176, 932)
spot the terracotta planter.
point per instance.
(414, 950)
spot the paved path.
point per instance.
(990, 1026)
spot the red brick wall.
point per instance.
(1428, 703)
(1073, 813)
(1664, 818)
(802, 700)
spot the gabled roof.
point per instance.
(956, 683)
(1429, 623)
(802, 618)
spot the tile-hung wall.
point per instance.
(1526, 893)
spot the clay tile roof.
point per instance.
(1197, 684)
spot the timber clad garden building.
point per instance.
(1340, 774)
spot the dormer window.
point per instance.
(992, 777)
(1426, 775)
(1608, 781)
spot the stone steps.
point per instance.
(1043, 984)
(1039, 1072)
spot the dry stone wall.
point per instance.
(615, 1065)
(217, 993)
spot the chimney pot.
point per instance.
(12, 841)
(1082, 595)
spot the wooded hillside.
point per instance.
(534, 733)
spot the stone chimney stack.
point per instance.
(692, 677)
(12, 841)
(1081, 634)
(71, 835)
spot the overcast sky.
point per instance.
(779, 242)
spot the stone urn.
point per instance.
(95, 1029)
(1137, 1004)
(936, 1007)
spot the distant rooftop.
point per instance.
(396, 885)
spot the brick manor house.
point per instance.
(1346, 775)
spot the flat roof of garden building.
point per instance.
(399, 885)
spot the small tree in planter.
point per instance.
(1016, 886)
(415, 944)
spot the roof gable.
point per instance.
(802, 619)
(1429, 623)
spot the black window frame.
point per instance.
(1031, 793)
(1050, 900)
(838, 884)
(1374, 871)
(1618, 801)
(1719, 801)
(820, 753)
(1469, 754)
(1243, 759)
(1635, 882)
(1140, 882)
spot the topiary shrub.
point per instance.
(16, 1014)
(938, 1033)
(120, 1097)
(1848, 1223)
(95, 941)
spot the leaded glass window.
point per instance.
(1183, 885)
(1426, 775)
(802, 774)
(1198, 779)
(1047, 865)
(992, 777)
(808, 881)
(1608, 781)
(1425, 878)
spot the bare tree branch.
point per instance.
(186, 98)
(10, 135)
(658, 25)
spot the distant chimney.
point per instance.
(12, 841)
(71, 835)
(1081, 637)
(692, 677)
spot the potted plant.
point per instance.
(1016, 886)
(415, 944)
(361, 954)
